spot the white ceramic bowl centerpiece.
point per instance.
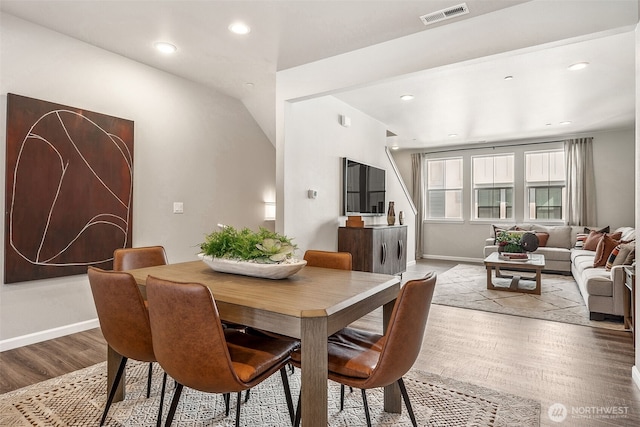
(263, 254)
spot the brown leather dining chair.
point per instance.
(124, 321)
(328, 259)
(367, 360)
(132, 258)
(192, 346)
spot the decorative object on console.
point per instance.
(401, 217)
(355, 221)
(391, 214)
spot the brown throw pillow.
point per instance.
(542, 238)
(591, 242)
(605, 246)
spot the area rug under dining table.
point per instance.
(465, 286)
(77, 399)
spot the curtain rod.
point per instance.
(492, 147)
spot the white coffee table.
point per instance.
(534, 262)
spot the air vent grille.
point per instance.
(448, 13)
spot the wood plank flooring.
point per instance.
(586, 369)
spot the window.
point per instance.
(545, 184)
(444, 188)
(493, 187)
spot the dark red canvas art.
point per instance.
(69, 189)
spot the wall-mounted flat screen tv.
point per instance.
(364, 188)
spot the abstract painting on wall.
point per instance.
(69, 189)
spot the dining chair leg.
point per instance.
(164, 387)
(174, 404)
(341, 397)
(149, 379)
(238, 409)
(296, 423)
(246, 396)
(112, 390)
(366, 407)
(407, 402)
(227, 398)
(287, 393)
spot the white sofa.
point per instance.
(602, 290)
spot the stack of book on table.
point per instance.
(517, 256)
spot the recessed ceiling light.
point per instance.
(249, 85)
(578, 66)
(453, 135)
(165, 47)
(407, 97)
(508, 78)
(239, 28)
(395, 147)
(566, 122)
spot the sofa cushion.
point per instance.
(606, 245)
(628, 233)
(555, 254)
(597, 281)
(559, 236)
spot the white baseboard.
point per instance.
(451, 258)
(49, 334)
(635, 375)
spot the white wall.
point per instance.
(316, 142)
(191, 145)
(614, 168)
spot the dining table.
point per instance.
(310, 305)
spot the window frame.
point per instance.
(494, 184)
(451, 191)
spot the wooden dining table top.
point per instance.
(311, 292)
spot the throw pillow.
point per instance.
(542, 238)
(612, 257)
(606, 229)
(591, 243)
(631, 257)
(498, 228)
(580, 239)
(605, 246)
(624, 249)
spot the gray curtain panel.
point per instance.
(581, 188)
(417, 195)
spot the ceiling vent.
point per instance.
(448, 13)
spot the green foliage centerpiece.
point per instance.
(262, 254)
(264, 246)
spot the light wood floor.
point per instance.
(583, 368)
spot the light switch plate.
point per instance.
(178, 207)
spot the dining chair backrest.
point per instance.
(328, 259)
(188, 337)
(122, 314)
(405, 331)
(132, 258)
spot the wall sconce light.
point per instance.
(269, 211)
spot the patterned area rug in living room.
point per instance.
(77, 399)
(465, 286)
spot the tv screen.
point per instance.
(364, 188)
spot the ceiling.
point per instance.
(471, 100)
